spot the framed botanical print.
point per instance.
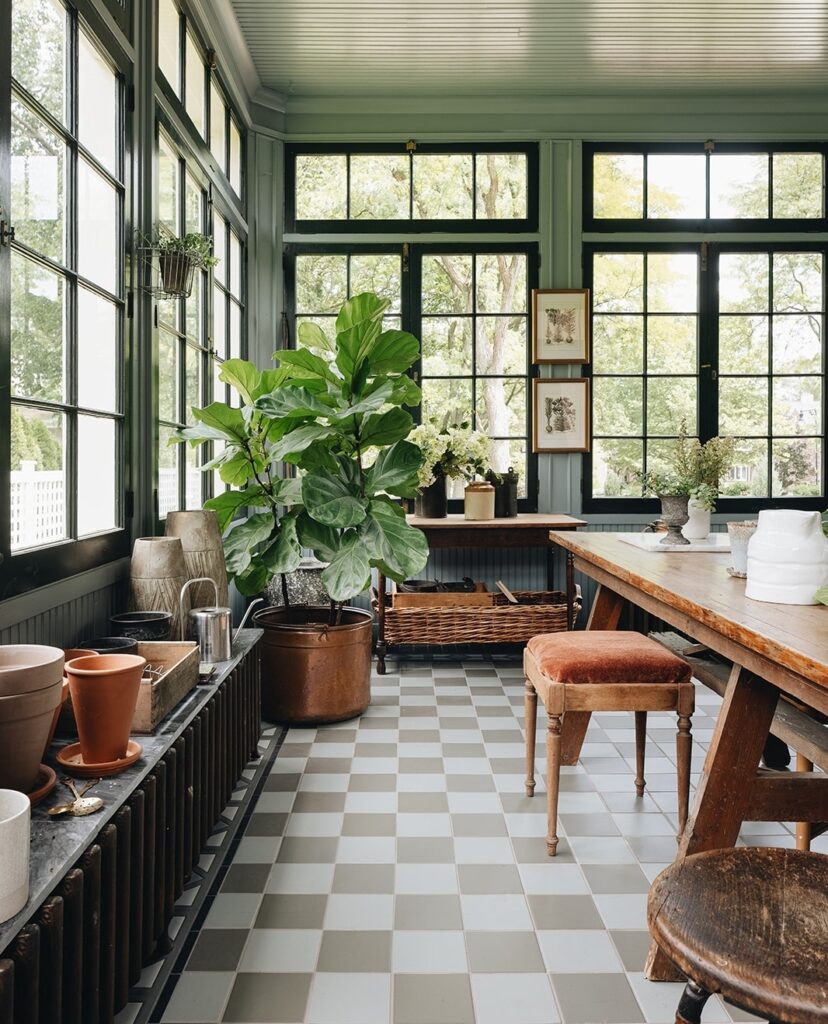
(560, 325)
(560, 414)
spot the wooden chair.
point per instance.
(750, 925)
(604, 670)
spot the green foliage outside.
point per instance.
(334, 409)
(31, 441)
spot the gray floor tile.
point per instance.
(268, 999)
(345, 951)
(233, 910)
(291, 910)
(307, 850)
(421, 850)
(266, 825)
(468, 783)
(589, 825)
(281, 950)
(633, 946)
(282, 783)
(427, 913)
(552, 912)
(435, 803)
(504, 952)
(217, 949)
(319, 802)
(365, 783)
(478, 825)
(369, 825)
(618, 878)
(432, 999)
(482, 879)
(366, 878)
(246, 878)
(596, 999)
(199, 998)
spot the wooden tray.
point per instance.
(156, 699)
(479, 597)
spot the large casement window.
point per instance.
(722, 335)
(62, 268)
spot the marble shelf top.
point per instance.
(57, 843)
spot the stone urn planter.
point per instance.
(674, 515)
(200, 537)
(104, 691)
(313, 672)
(31, 678)
(157, 574)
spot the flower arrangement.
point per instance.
(450, 451)
(693, 469)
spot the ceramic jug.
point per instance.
(787, 559)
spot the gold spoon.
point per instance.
(81, 805)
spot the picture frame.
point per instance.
(560, 325)
(560, 414)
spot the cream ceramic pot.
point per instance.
(15, 832)
(479, 501)
(787, 559)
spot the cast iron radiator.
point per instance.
(107, 918)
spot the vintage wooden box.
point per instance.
(479, 597)
(156, 699)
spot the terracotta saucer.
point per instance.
(43, 784)
(70, 758)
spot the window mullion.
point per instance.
(708, 345)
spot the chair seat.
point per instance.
(605, 656)
(750, 924)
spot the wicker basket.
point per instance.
(539, 611)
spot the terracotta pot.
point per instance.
(157, 574)
(25, 721)
(104, 694)
(66, 716)
(64, 693)
(313, 672)
(15, 837)
(28, 667)
(200, 538)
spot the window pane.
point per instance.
(501, 344)
(195, 81)
(220, 247)
(193, 205)
(169, 313)
(98, 352)
(618, 282)
(501, 406)
(797, 281)
(743, 405)
(169, 184)
(447, 284)
(168, 455)
(618, 406)
(98, 90)
(447, 346)
(448, 401)
(167, 377)
(676, 185)
(98, 223)
(169, 43)
(38, 184)
(671, 401)
(501, 283)
(218, 127)
(38, 331)
(192, 383)
(442, 186)
(618, 185)
(193, 477)
(235, 266)
(380, 187)
(321, 283)
(511, 453)
(739, 185)
(501, 186)
(219, 324)
(235, 158)
(235, 331)
(321, 186)
(41, 68)
(797, 344)
(671, 344)
(38, 474)
(618, 344)
(97, 475)
(797, 467)
(743, 344)
(672, 282)
(193, 322)
(377, 273)
(749, 476)
(797, 184)
(617, 468)
(743, 282)
(797, 405)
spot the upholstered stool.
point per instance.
(751, 925)
(604, 670)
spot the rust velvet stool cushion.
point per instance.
(605, 656)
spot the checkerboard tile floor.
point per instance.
(393, 872)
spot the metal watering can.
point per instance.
(211, 626)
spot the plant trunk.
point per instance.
(285, 598)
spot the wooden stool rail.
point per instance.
(604, 670)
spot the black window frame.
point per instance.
(408, 226)
(769, 225)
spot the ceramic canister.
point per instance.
(479, 501)
(15, 828)
(787, 559)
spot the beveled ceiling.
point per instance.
(537, 47)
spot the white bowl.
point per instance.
(15, 836)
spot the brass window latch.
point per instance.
(6, 232)
(714, 374)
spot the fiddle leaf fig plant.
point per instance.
(334, 410)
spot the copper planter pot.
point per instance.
(313, 672)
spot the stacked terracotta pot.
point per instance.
(31, 681)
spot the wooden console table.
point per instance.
(524, 531)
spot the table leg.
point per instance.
(570, 589)
(726, 782)
(803, 828)
(605, 614)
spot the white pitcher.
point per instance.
(787, 557)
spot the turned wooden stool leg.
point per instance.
(691, 1004)
(530, 721)
(553, 775)
(640, 744)
(684, 754)
(803, 828)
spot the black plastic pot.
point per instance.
(141, 625)
(431, 502)
(111, 645)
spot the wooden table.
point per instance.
(774, 649)
(529, 530)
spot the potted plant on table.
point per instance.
(449, 452)
(179, 258)
(334, 411)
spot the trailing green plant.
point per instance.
(333, 411)
(693, 468)
(197, 247)
(705, 495)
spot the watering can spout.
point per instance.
(245, 617)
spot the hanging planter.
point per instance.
(178, 260)
(177, 272)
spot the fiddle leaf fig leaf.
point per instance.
(358, 326)
(285, 553)
(227, 505)
(330, 499)
(297, 440)
(821, 595)
(225, 420)
(395, 470)
(240, 542)
(292, 402)
(349, 571)
(386, 428)
(241, 375)
(322, 540)
(394, 352)
(311, 335)
(303, 363)
(399, 547)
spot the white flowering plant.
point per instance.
(450, 451)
